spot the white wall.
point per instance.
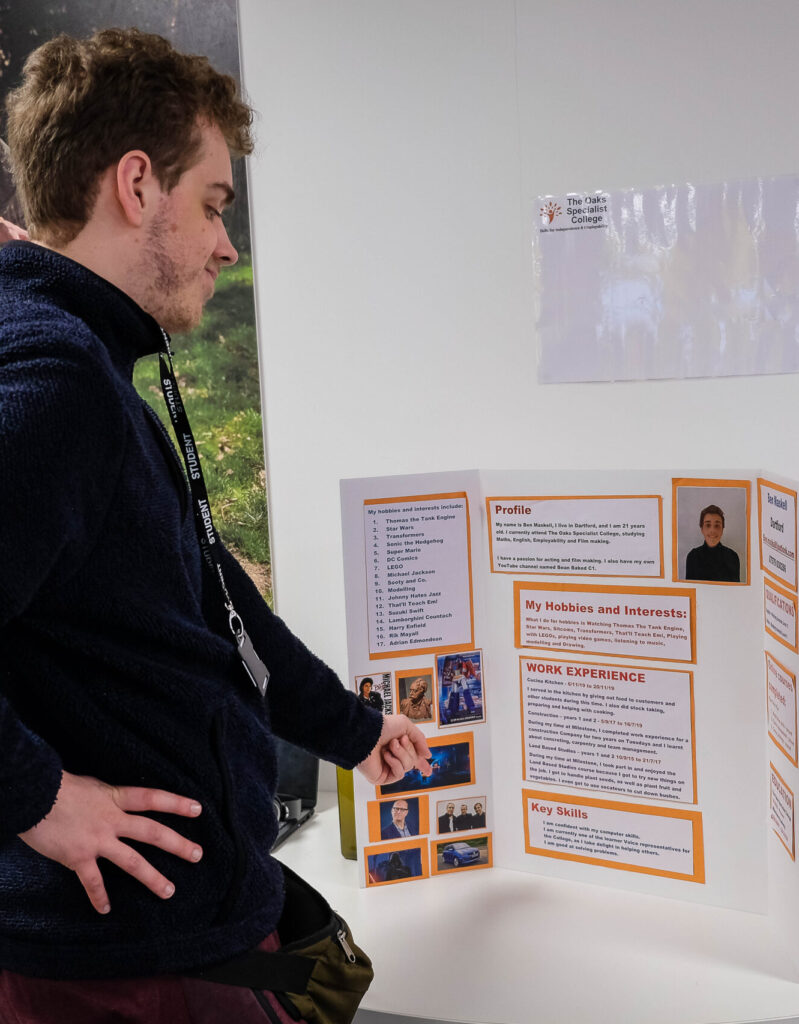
(403, 144)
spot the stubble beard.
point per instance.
(166, 282)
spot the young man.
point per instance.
(463, 822)
(372, 700)
(712, 561)
(137, 764)
(446, 821)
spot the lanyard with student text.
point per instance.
(257, 672)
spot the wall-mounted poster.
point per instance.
(676, 281)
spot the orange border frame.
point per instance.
(636, 668)
(435, 843)
(472, 721)
(761, 483)
(576, 497)
(407, 651)
(792, 852)
(794, 599)
(676, 484)
(433, 742)
(413, 673)
(791, 757)
(373, 815)
(405, 844)
(694, 817)
(585, 588)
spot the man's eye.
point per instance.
(213, 212)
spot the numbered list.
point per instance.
(418, 573)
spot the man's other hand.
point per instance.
(89, 820)
(401, 747)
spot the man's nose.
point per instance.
(225, 251)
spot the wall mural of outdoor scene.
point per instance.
(217, 363)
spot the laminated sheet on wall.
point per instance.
(671, 282)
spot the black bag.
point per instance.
(318, 975)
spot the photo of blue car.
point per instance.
(459, 853)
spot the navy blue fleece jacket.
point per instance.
(115, 656)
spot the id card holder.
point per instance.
(257, 672)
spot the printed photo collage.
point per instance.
(430, 825)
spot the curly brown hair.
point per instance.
(84, 103)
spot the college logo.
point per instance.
(550, 211)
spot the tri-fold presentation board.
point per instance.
(604, 666)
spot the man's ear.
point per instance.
(136, 186)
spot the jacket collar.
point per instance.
(120, 323)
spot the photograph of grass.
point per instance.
(217, 370)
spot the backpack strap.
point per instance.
(275, 972)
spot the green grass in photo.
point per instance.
(217, 370)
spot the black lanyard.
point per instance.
(257, 672)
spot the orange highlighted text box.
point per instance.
(601, 704)
(781, 809)
(534, 535)
(777, 532)
(419, 590)
(781, 615)
(621, 622)
(662, 841)
(781, 703)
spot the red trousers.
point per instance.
(164, 999)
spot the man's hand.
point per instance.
(401, 746)
(90, 818)
(11, 232)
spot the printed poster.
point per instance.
(418, 572)
(628, 622)
(781, 615)
(630, 837)
(620, 729)
(672, 282)
(777, 507)
(601, 536)
(781, 691)
(782, 812)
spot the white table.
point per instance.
(503, 947)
